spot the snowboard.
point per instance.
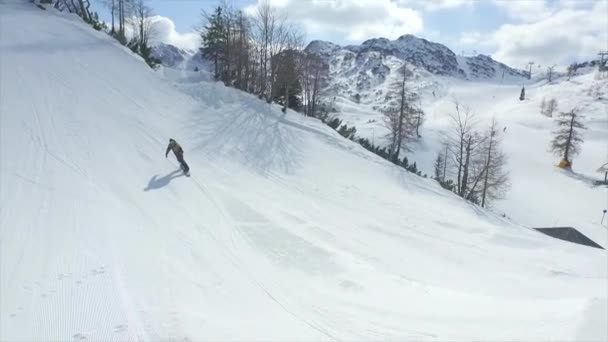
(187, 174)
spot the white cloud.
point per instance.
(435, 5)
(164, 31)
(535, 10)
(570, 33)
(474, 43)
(355, 20)
(526, 11)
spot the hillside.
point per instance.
(541, 194)
(284, 231)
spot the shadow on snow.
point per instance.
(157, 183)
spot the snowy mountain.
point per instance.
(284, 231)
(170, 55)
(176, 58)
(363, 73)
(432, 57)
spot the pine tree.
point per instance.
(413, 168)
(334, 123)
(214, 40)
(438, 166)
(522, 96)
(347, 132)
(567, 138)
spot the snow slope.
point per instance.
(285, 231)
(541, 194)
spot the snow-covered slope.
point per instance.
(541, 194)
(285, 231)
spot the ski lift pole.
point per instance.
(603, 215)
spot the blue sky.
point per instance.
(513, 31)
(485, 16)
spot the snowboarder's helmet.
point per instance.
(171, 140)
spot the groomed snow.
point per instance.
(285, 231)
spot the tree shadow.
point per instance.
(589, 181)
(259, 137)
(157, 183)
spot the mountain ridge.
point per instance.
(434, 57)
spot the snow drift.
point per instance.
(285, 231)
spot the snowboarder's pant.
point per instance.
(182, 162)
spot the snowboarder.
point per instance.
(179, 154)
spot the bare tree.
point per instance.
(264, 26)
(283, 37)
(401, 113)
(81, 8)
(471, 168)
(286, 78)
(112, 5)
(550, 71)
(567, 138)
(141, 21)
(66, 5)
(242, 50)
(123, 7)
(314, 79)
(272, 34)
(419, 115)
(84, 10)
(463, 124)
(446, 147)
(477, 159)
(496, 181)
(441, 162)
(547, 108)
(495, 178)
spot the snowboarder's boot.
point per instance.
(185, 168)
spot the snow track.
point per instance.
(284, 231)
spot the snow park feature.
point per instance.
(286, 230)
(569, 234)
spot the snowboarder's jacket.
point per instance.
(177, 150)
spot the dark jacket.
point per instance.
(177, 150)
